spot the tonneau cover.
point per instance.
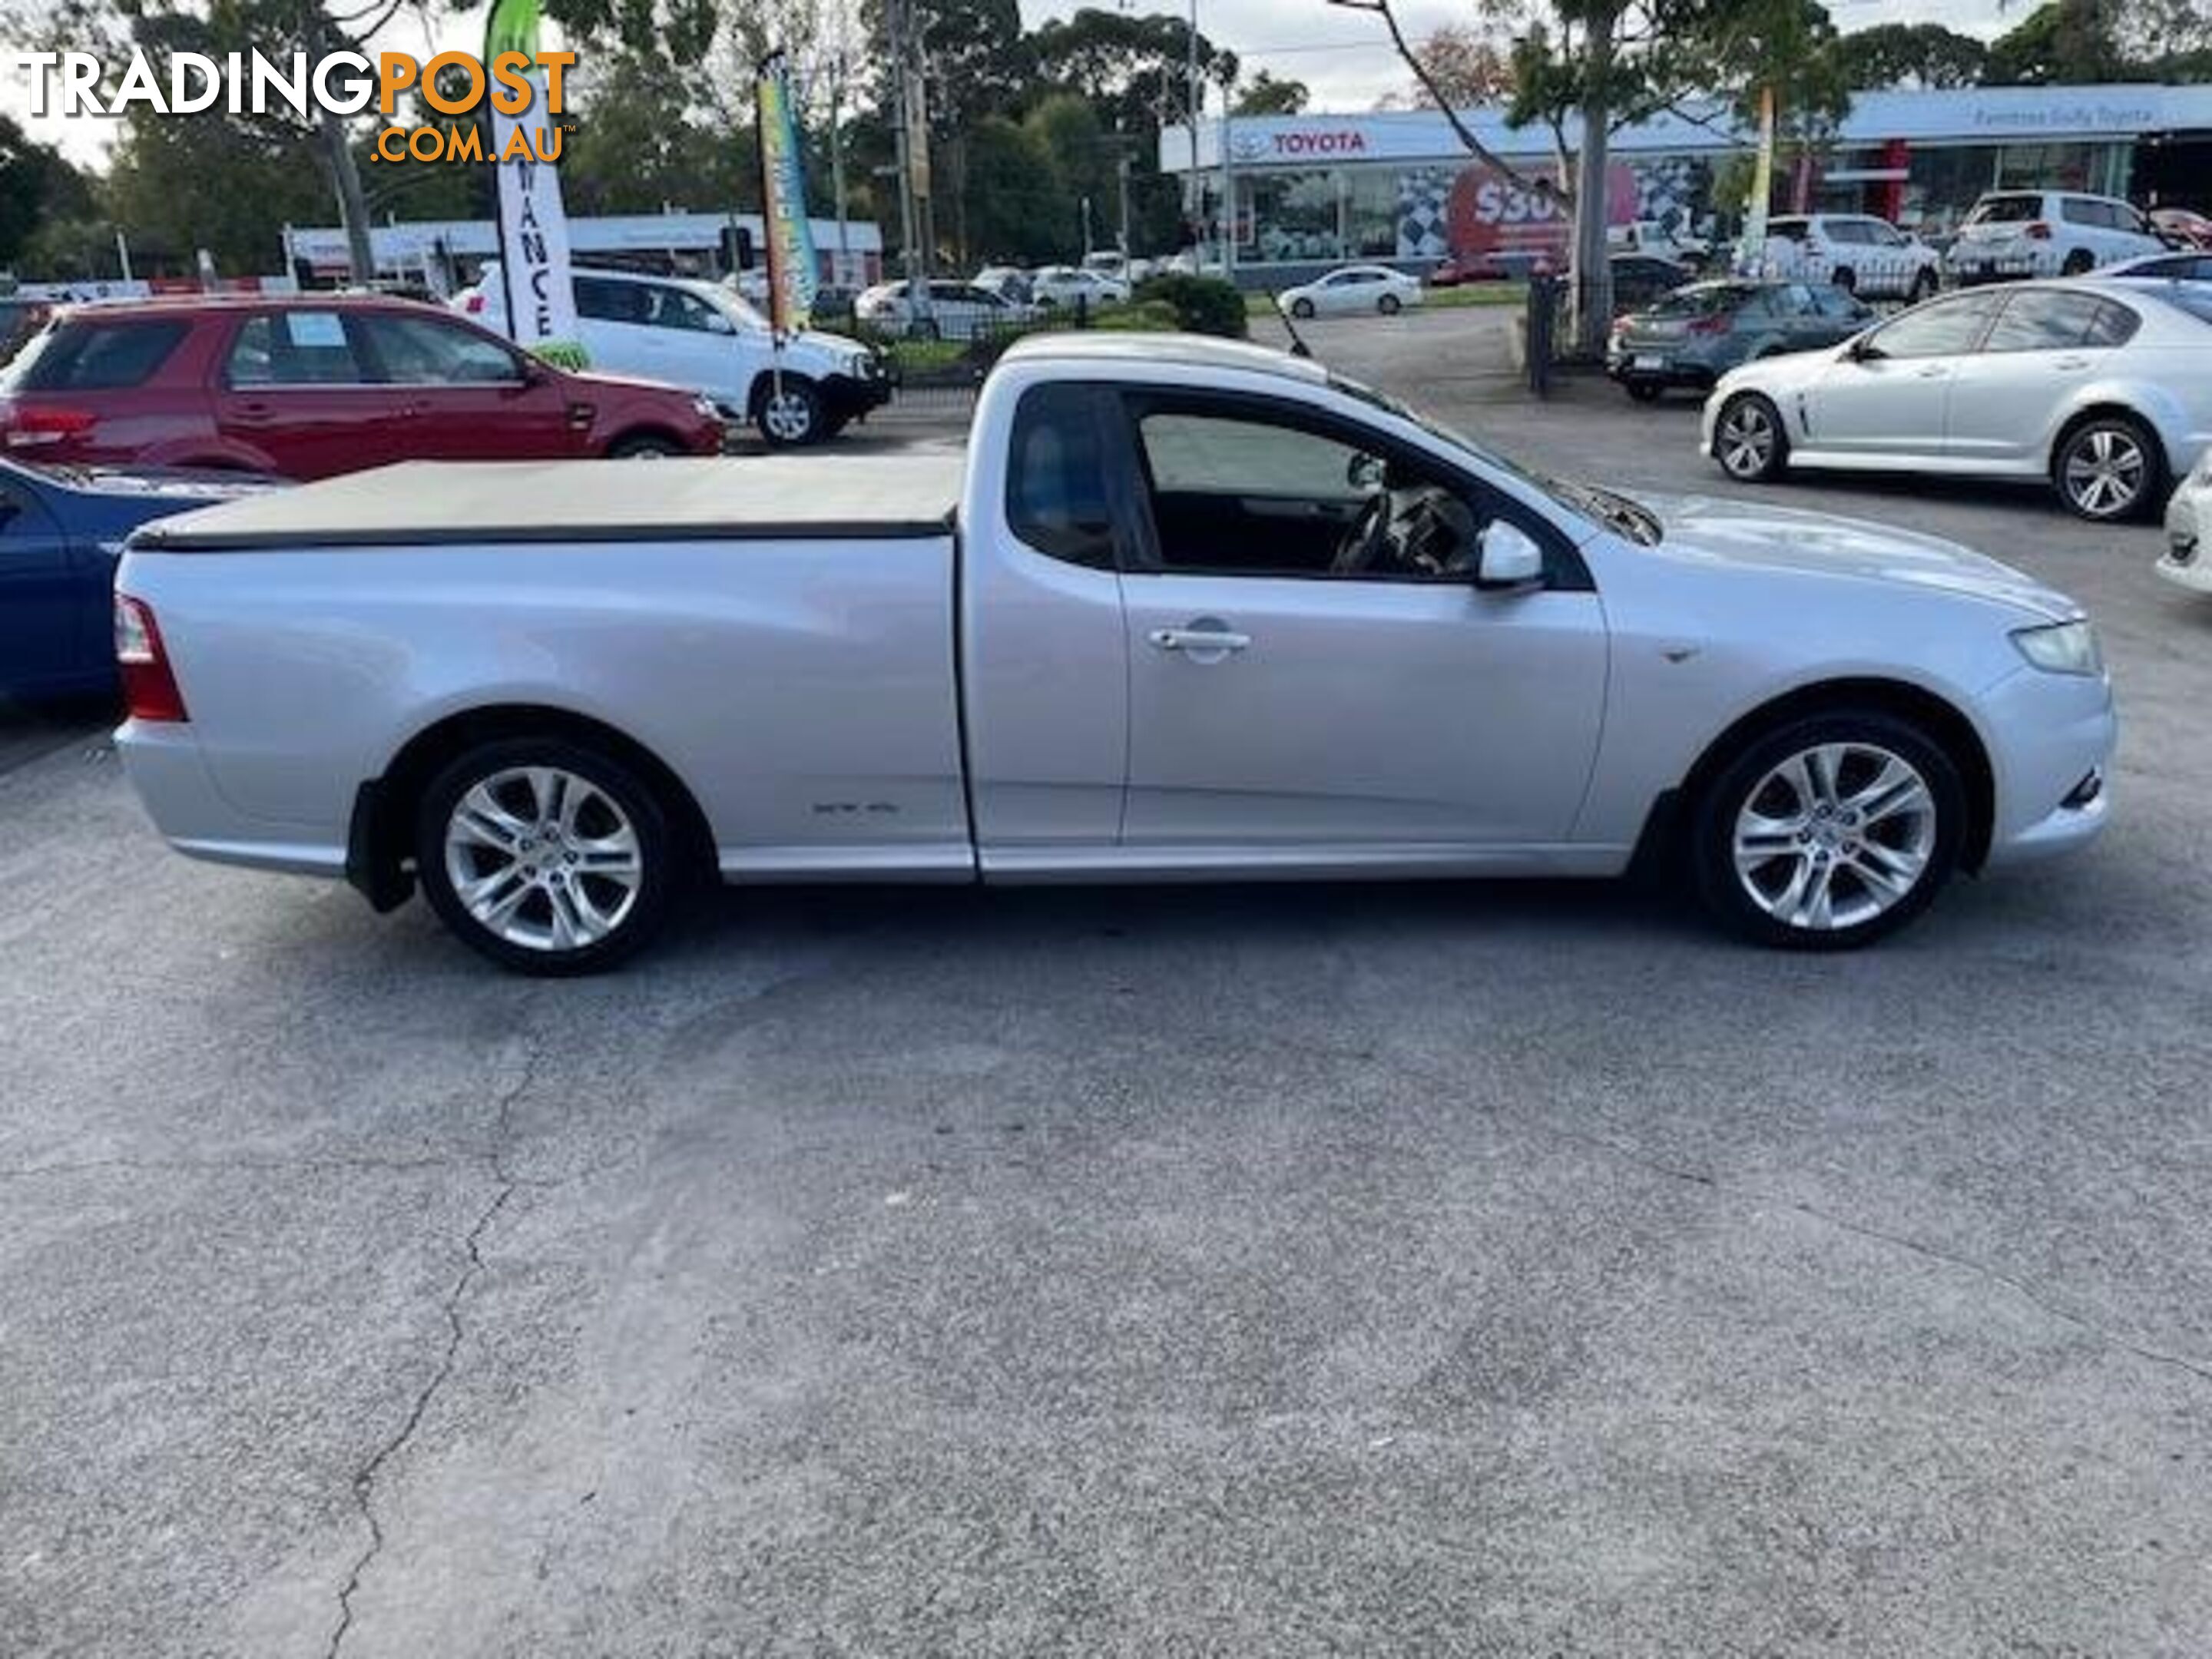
(833, 495)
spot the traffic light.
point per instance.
(737, 248)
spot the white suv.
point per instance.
(705, 336)
(2047, 232)
(1855, 251)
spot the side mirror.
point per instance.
(1364, 473)
(1862, 350)
(1507, 557)
(718, 323)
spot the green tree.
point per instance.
(1263, 95)
(1016, 196)
(1910, 55)
(37, 186)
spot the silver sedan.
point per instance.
(2102, 389)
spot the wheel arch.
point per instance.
(756, 395)
(1944, 722)
(2097, 403)
(378, 840)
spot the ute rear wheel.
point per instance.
(1829, 832)
(545, 856)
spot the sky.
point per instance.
(1343, 56)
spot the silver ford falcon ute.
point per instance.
(1190, 609)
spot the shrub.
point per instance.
(563, 354)
(1202, 305)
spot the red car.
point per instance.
(313, 384)
(2182, 228)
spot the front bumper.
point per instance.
(846, 396)
(2051, 739)
(2188, 560)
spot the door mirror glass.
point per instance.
(1510, 557)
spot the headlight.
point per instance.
(2069, 647)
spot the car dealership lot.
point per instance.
(1479, 1269)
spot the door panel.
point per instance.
(463, 395)
(294, 387)
(1356, 712)
(1892, 401)
(2035, 352)
(41, 598)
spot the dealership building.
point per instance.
(1399, 186)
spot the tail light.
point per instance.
(2038, 232)
(149, 688)
(1718, 322)
(474, 304)
(31, 427)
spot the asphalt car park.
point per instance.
(1470, 1268)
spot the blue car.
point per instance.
(61, 529)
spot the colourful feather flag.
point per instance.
(791, 269)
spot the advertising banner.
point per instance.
(533, 227)
(791, 269)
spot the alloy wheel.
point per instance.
(543, 859)
(2104, 472)
(1747, 439)
(1835, 836)
(788, 417)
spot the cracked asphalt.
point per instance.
(1471, 1269)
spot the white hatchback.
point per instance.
(1371, 289)
(2047, 232)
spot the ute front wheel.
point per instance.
(545, 856)
(1829, 832)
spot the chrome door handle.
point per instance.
(1200, 640)
(1934, 374)
(2071, 363)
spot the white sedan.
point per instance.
(2100, 389)
(1067, 285)
(1354, 288)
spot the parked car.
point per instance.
(307, 385)
(2184, 267)
(1210, 611)
(707, 338)
(1362, 291)
(2188, 560)
(1694, 334)
(1854, 251)
(2102, 389)
(1640, 280)
(61, 532)
(1666, 241)
(2181, 227)
(1499, 265)
(2046, 233)
(1068, 285)
(1010, 283)
(956, 311)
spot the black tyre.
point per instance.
(2110, 468)
(644, 446)
(1923, 288)
(1847, 279)
(1388, 304)
(2080, 263)
(1643, 391)
(1302, 309)
(1829, 832)
(789, 414)
(546, 855)
(1748, 441)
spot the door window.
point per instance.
(1242, 492)
(1057, 500)
(422, 351)
(600, 301)
(2041, 319)
(1944, 328)
(84, 356)
(674, 308)
(294, 348)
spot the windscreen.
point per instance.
(1704, 301)
(2006, 210)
